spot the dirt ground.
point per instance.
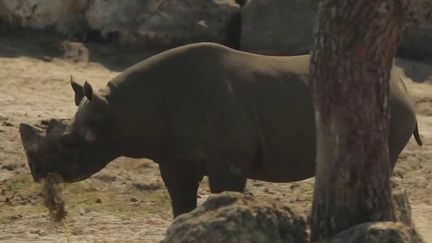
(127, 202)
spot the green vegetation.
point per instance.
(20, 183)
(24, 197)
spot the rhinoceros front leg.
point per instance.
(181, 180)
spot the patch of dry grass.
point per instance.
(92, 197)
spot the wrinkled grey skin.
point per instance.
(200, 109)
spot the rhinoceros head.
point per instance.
(75, 148)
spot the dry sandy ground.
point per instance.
(127, 202)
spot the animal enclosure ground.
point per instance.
(127, 202)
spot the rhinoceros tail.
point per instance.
(417, 136)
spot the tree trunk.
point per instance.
(350, 66)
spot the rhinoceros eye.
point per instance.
(68, 140)
(89, 135)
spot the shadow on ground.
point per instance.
(419, 72)
(45, 46)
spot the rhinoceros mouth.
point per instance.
(37, 171)
(32, 140)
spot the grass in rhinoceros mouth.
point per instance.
(51, 187)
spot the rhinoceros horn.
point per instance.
(30, 136)
(30, 139)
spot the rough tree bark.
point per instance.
(355, 43)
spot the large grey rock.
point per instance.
(162, 23)
(65, 16)
(402, 231)
(378, 232)
(235, 217)
(420, 14)
(4, 28)
(278, 27)
(134, 22)
(415, 43)
(417, 36)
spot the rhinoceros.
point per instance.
(200, 109)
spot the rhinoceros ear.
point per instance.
(29, 137)
(99, 104)
(88, 90)
(78, 89)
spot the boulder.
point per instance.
(415, 44)
(420, 14)
(162, 23)
(278, 27)
(402, 231)
(377, 232)
(417, 36)
(66, 17)
(4, 28)
(235, 217)
(135, 22)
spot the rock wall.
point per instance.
(163, 23)
(277, 27)
(281, 27)
(134, 22)
(64, 16)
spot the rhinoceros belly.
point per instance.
(280, 109)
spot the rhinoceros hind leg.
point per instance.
(181, 180)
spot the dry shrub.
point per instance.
(51, 188)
